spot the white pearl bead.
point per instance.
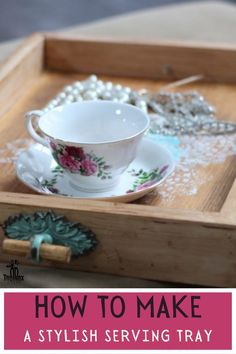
(93, 78)
(62, 95)
(57, 97)
(86, 85)
(106, 95)
(99, 91)
(90, 95)
(118, 87)
(75, 92)
(127, 89)
(124, 98)
(92, 86)
(55, 102)
(100, 83)
(119, 94)
(141, 103)
(79, 86)
(108, 85)
(70, 98)
(68, 89)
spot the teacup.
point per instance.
(93, 141)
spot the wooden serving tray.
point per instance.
(189, 239)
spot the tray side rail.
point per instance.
(20, 70)
(149, 245)
(168, 61)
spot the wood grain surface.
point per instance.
(141, 60)
(210, 196)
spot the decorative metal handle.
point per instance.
(45, 252)
(44, 235)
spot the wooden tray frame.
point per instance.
(134, 240)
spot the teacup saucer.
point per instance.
(37, 169)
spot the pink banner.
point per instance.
(118, 321)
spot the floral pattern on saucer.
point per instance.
(48, 185)
(76, 160)
(146, 179)
(37, 169)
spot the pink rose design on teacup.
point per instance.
(76, 152)
(76, 160)
(69, 162)
(89, 167)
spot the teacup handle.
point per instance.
(29, 116)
